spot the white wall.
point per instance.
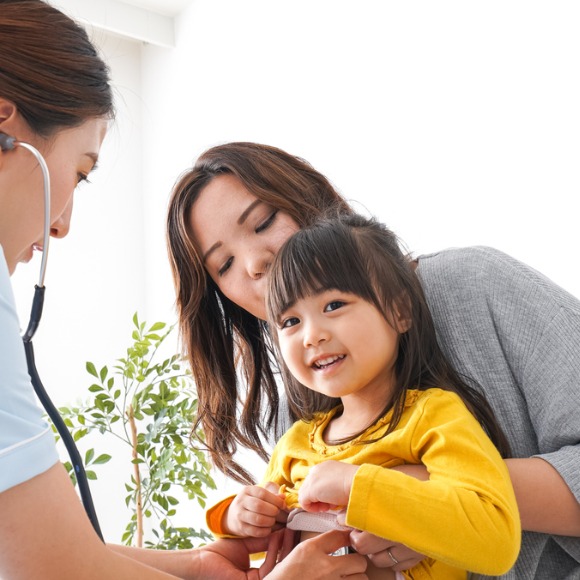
(455, 122)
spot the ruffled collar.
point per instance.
(321, 421)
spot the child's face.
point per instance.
(339, 345)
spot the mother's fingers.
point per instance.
(367, 543)
(397, 557)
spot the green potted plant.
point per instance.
(148, 402)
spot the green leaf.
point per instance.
(91, 475)
(79, 434)
(89, 455)
(103, 458)
(91, 369)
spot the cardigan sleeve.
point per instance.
(516, 333)
(465, 515)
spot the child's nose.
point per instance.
(315, 334)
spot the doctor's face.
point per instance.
(70, 156)
(238, 236)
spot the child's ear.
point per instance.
(402, 312)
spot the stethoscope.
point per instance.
(8, 143)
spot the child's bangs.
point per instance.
(314, 261)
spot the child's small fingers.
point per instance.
(258, 520)
(262, 506)
(255, 531)
(272, 487)
(282, 516)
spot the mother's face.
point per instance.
(238, 236)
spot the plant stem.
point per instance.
(138, 491)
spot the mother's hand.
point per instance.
(384, 553)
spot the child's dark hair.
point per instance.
(362, 256)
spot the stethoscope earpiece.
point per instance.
(6, 142)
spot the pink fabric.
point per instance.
(299, 519)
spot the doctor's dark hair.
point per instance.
(363, 257)
(227, 347)
(49, 68)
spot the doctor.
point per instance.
(55, 94)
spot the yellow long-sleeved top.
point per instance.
(465, 516)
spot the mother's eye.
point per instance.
(226, 266)
(267, 222)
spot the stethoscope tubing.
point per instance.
(35, 315)
(57, 420)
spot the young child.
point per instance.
(364, 372)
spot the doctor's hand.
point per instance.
(229, 559)
(256, 511)
(311, 559)
(327, 486)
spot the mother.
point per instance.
(501, 323)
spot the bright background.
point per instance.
(456, 123)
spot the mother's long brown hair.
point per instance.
(227, 347)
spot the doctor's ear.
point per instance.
(8, 112)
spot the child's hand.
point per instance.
(327, 486)
(255, 512)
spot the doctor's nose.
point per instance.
(61, 227)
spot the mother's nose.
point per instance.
(258, 264)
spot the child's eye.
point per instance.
(334, 305)
(290, 321)
(226, 266)
(267, 222)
